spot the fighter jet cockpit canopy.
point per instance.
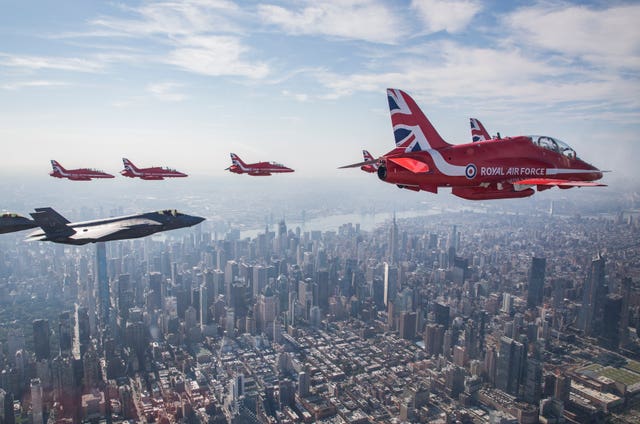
(554, 145)
(172, 212)
(10, 215)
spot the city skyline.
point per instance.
(324, 295)
(464, 313)
(294, 82)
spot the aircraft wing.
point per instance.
(560, 183)
(99, 232)
(96, 232)
(412, 165)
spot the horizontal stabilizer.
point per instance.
(359, 164)
(412, 165)
(559, 183)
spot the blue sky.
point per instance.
(183, 83)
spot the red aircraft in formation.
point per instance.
(80, 174)
(487, 168)
(258, 169)
(371, 167)
(154, 173)
(478, 132)
(494, 168)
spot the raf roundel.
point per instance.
(470, 171)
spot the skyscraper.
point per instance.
(36, 401)
(509, 365)
(390, 283)
(594, 294)
(7, 416)
(533, 382)
(125, 296)
(536, 282)
(433, 339)
(392, 253)
(204, 306)
(41, 339)
(103, 283)
(155, 295)
(259, 280)
(65, 332)
(304, 382)
(441, 313)
(610, 337)
(625, 288)
(322, 281)
(82, 330)
(407, 325)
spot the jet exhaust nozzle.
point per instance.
(382, 172)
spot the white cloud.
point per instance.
(446, 15)
(166, 91)
(366, 20)
(603, 37)
(173, 18)
(28, 84)
(51, 62)
(497, 78)
(201, 36)
(300, 97)
(215, 56)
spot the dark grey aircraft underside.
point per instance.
(56, 228)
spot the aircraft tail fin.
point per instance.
(412, 130)
(128, 164)
(367, 155)
(52, 223)
(478, 132)
(56, 166)
(235, 160)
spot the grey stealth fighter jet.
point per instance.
(56, 228)
(11, 222)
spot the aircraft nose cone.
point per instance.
(194, 220)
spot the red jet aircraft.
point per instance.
(80, 174)
(478, 132)
(502, 168)
(155, 173)
(373, 166)
(258, 169)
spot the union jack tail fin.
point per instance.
(412, 130)
(56, 166)
(235, 159)
(367, 155)
(128, 164)
(478, 132)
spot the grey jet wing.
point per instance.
(130, 227)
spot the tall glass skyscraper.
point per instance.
(536, 282)
(103, 283)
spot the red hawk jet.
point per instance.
(258, 169)
(372, 167)
(503, 168)
(478, 132)
(155, 173)
(80, 174)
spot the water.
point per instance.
(367, 221)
